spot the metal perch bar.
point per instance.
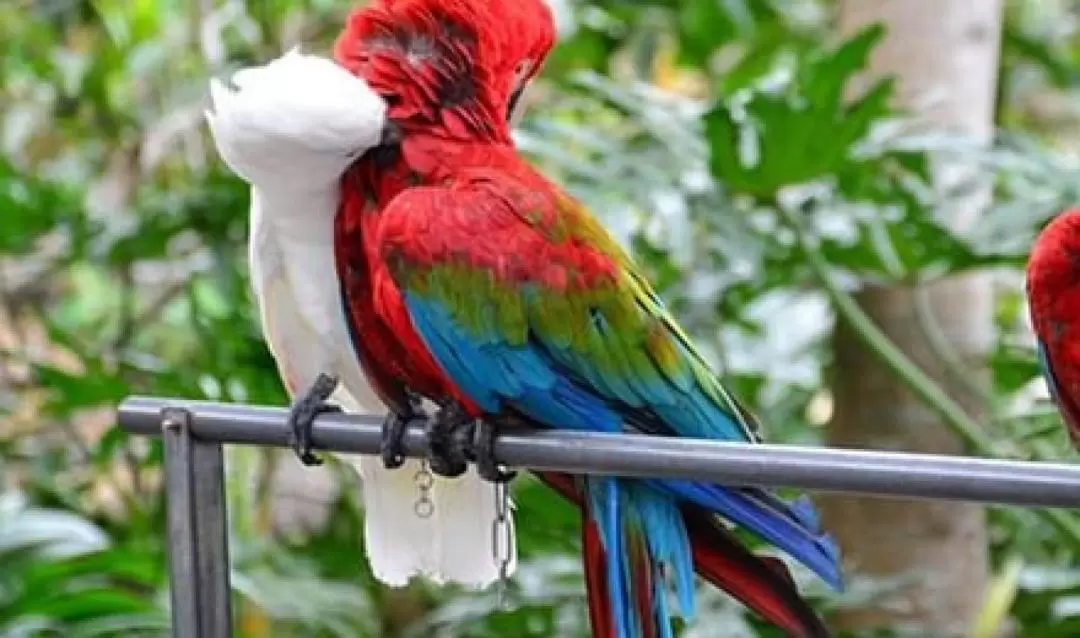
(891, 474)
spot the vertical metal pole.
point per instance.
(198, 541)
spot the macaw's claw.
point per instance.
(392, 443)
(445, 447)
(483, 452)
(302, 416)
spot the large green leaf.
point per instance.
(774, 139)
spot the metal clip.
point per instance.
(502, 539)
(424, 480)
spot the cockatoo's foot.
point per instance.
(302, 416)
(445, 447)
(483, 452)
(392, 443)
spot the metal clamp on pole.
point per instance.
(198, 541)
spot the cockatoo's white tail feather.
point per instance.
(456, 537)
(290, 129)
(453, 544)
(472, 563)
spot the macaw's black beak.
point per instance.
(515, 97)
(388, 151)
(391, 134)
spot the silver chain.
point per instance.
(502, 538)
(424, 480)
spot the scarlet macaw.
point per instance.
(471, 280)
(1053, 289)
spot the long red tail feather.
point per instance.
(594, 560)
(762, 583)
(642, 585)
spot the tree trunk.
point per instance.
(944, 54)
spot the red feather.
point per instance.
(1053, 287)
(594, 560)
(595, 565)
(444, 65)
(436, 65)
(384, 357)
(641, 582)
(763, 584)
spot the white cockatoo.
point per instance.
(291, 128)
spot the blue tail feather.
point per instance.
(621, 507)
(606, 510)
(801, 510)
(616, 557)
(817, 552)
(804, 509)
(667, 539)
(661, 604)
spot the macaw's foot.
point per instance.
(302, 416)
(392, 443)
(483, 452)
(445, 444)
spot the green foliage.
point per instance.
(59, 576)
(774, 139)
(755, 206)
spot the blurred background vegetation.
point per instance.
(809, 221)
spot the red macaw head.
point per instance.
(454, 65)
(1053, 289)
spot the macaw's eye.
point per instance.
(521, 71)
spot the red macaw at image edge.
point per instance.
(470, 280)
(1053, 289)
